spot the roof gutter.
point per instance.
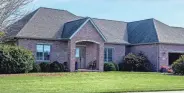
(156, 43)
(66, 39)
(59, 39)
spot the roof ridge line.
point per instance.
(56, 9)
(51, 8)
(155, 27)
(108, 20)
(142, 20)
(76, 20)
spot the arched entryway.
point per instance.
(87, 55)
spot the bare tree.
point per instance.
(11, 11)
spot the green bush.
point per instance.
(36, 68)
(45, 67)
(124, 67)
(116, 66)
(109, 67)
(133, 62)
(56, 67)
(15, 59)
(178, 66)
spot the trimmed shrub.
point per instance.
(116, 65)
(133, 62)
(14, 59)
(36, 68)
(124, 66)
(178, 66)
(109, 66)
(65, 66)
(45, 67)
(56, 67)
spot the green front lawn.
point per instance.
(89, 82)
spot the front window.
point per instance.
(108, 53)
(43, 52)
(77, 54)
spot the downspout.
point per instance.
(158, 57)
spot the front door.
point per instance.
(80, 56)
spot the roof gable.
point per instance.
(71, 28)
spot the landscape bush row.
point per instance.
(139, 62)
(48, 67)
(131, 62)
(14, 59)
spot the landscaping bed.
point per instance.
(78, 82)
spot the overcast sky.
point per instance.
(170, 12)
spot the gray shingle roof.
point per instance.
(55, 24)
(114, 31)
(71, 27)
(142, 32)
(13, 29)
(168, 34)
(154, 31)
(46, 23)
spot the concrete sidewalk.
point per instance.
(161, 92)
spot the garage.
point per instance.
(173, 57)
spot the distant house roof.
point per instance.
(46, 23)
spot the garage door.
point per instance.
(173, 57)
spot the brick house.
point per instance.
(58, 35)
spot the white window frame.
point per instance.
(43, 52)
(107, 54)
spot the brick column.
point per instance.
(71, 55)
(101, 57)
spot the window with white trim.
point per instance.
(108, 54)
(43, 52)
(77, 53)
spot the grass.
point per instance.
(89, 82)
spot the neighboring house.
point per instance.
(58, 35)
